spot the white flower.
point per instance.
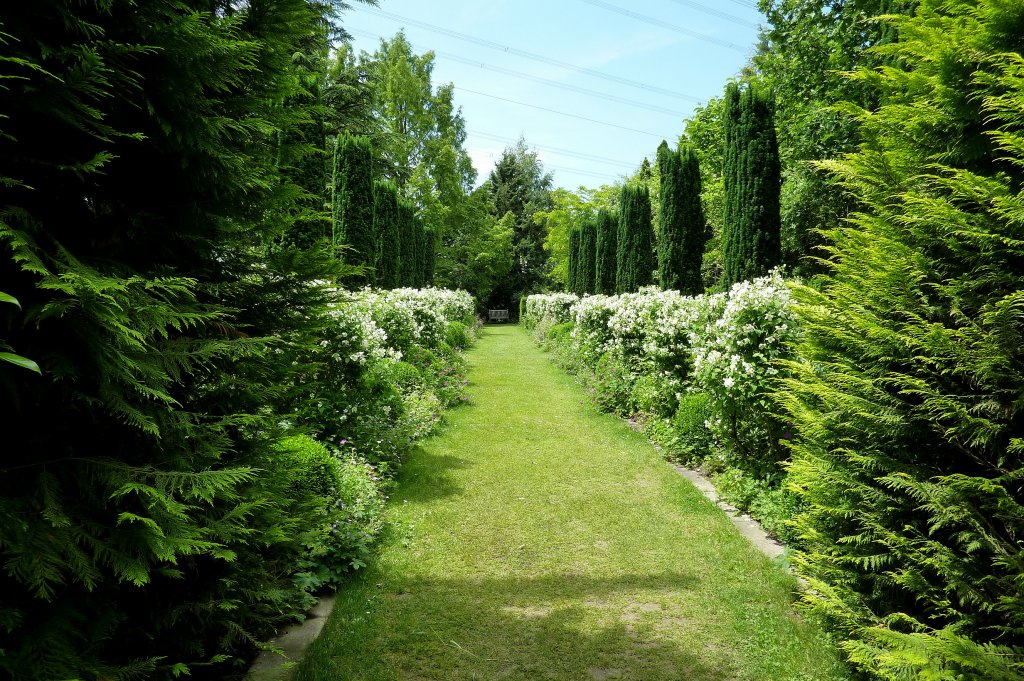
(728, 382)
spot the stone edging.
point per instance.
(273, 666)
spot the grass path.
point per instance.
(537, 538)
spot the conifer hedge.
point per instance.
(908, 403)
(605, 245)
(635, 259)
(144, 527)
(751, 221)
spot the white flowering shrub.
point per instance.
(387, 364)
(735, 362)
(552, 308)
(647, 350)
(415, 317)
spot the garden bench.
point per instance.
(497, 315)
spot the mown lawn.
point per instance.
(537, 538)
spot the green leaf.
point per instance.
(8, 298)
(23, 362)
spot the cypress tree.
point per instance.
(607, 237)
(751, 221)
(430, 258)
(681, 224)
(634, 262)
(387, 230)
(352, 200)
(408, 242)
(587, 270)
(692, 220)
(670, 227)
(574, 261)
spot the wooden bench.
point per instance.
(497, 315)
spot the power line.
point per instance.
(715, 12)
(558, 150)
(538, 79)
(530, 55)
(600, 176)
(560, 113)
(664, 24)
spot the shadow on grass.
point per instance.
(426, 476)
(552, 627)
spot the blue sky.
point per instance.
(675, 53)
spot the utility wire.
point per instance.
(558, 150)
(542, 81)
(716, 12)
(530, 55)
(560, 113)
(664, 24)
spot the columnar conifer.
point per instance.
(607, 238)
(353, 199)
(634, 263)
(388, 236)
(587, 271)
(408, 242)
(574, 261)
(670, 227)
(694, 224)
(751, 219)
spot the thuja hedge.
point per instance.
(159, 513)
(908, 397)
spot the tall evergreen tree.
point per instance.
(635, 259)
(408, 241)
(694, 224)
(352, 199)
(751, 222)
(587, 268)
(909, 396)
(519, 185)
(606, 249)
(429, 257)
(671, 255)
(574, 261)
(387, 229)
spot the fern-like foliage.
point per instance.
(143, 208)
(909, 397)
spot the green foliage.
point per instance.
(353, 199)
(907, 400)
(477, 256)
(750, 221)
(606, 249)
(387, 230)
(806, 49)
(345, 516)
(634, 259)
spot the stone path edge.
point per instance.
(271, 665)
